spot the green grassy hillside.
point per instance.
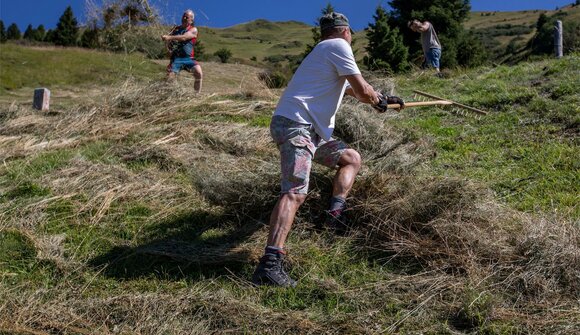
(480, 20)
(54, 66)
(500, 29)
(142, 207)
(258, 39)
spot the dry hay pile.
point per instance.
(195, 310)
(453, 226)
(142, 124)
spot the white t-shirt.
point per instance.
(315, 92)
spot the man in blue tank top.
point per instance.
(181, 44)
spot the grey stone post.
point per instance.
(558, 39)
(41, 99)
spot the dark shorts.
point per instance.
(178, 64)
(300, 145)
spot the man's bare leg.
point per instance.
(349, 165)
(270, 270)
(198, 75)
(282, 218)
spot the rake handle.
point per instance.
(479, 111)
(420, 103)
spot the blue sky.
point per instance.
(224, 13)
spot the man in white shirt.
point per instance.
(302, 127)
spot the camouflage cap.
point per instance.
(332, 20)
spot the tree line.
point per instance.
(65, 33)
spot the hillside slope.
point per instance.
(499, 30)
(259, 38)
(142, 208)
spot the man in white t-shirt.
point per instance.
(302, 127)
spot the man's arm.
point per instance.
(364, 92)
(190, 34)
(361, 90)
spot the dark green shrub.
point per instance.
(273, 79)
(223, 54)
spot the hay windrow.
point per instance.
(452, 224)
(192, 311)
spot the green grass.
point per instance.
(26, 190)
(22, 169)
(526, 17)
(19, 265)
(99, 152)
(259, 38)
(40, 67)
(522, 149)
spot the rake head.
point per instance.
(456, 107)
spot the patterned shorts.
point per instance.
(300, 145)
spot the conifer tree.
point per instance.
(49, 36)
(29, 33)
(386, 50)
(90, 38)
(67, 30)
(3, 37)
(543, 41)
(13, 33)
(199, 50)
(40, 33)
(543, 18)
(316, 31)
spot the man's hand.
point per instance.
(384, 101)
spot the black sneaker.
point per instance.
(270, 271)
(336, 221)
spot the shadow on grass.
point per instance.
(203, 244)
(193, 246)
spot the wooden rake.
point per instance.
(457, 108)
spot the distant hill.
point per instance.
(500, 29)
(259, 39)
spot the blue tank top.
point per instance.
(183, 49)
